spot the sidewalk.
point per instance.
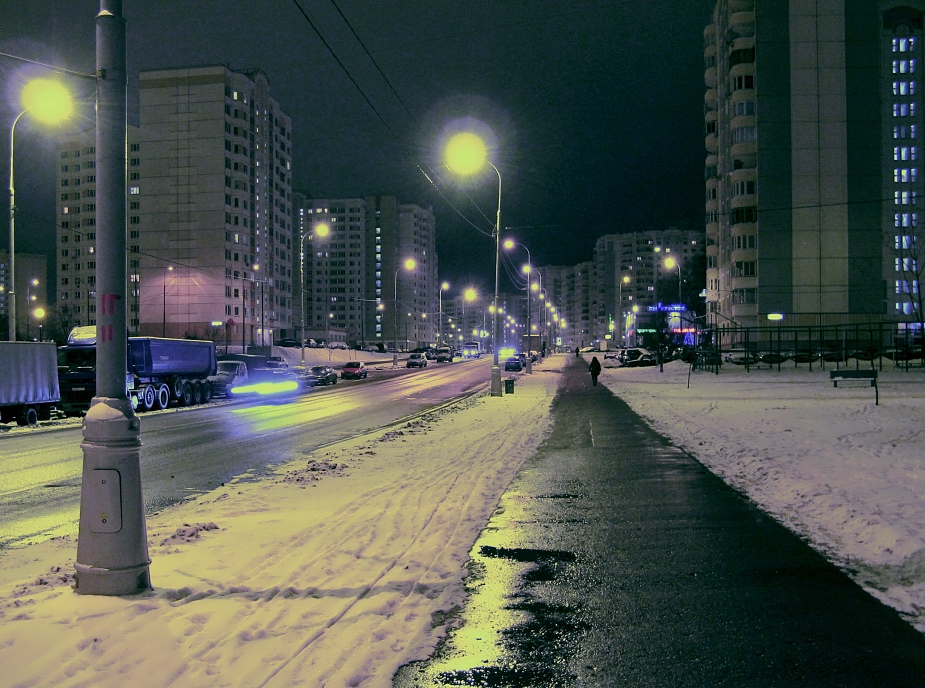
(616, 559)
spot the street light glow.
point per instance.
(465, 153)
(410, 264)
(322, 230)
(47, 101)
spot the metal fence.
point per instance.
(870, 345)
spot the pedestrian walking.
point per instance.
(595, 368)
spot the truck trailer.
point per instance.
(160, 371)
(29, 390)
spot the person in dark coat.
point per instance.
(595, 368)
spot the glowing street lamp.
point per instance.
(465, 154)
(443, 288)
(410, 264)
(321, 230)
(48, 102)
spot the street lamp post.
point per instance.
(48, 102)
(528, 269)
(112, 545)
(39, 314)
(443, 287)
(322, 230)
(624, 280)
(409, 265)
(465, 154)
(30, 297)
(164, 322)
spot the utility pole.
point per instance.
(112, 544)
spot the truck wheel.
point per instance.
(148, 398)
(197, 393)
(186, 398)
(163, 396)
(176, 387)
(29, 416)
(206, 392)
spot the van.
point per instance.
(444, 354)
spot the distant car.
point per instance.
(430, 355)
(338, 345)
(372, 348)
(289, 343)
(773, 358)
(320, 375)
(444, 355)
(276, 362)
(416, 361)
(353, 370)
(513, 364)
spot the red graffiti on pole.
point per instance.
(108, 303)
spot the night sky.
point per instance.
(594, 110)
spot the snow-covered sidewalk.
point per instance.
(334, 573)
(840, 471)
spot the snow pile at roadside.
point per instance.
(842, 472)
(340, 569)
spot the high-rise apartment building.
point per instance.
(813, 132)
(210, 205)
(356, 286)
(209, 210)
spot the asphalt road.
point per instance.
(615, 559)
(190, 451)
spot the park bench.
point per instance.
(855, 375)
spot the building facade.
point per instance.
(209, 211)
(210, 206)
(799, 148)
(357, 288)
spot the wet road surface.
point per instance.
(615, 559)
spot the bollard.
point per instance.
(112, 545)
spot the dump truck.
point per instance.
(161, 371)
(29, 390)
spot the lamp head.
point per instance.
(465, 153)
(410, 264)
(47, 101)
(322, 230)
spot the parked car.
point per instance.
(320, 375)
(629, 356)
(290, 343)
(416, 361)
(372, 348)
(430, 355)
(513, 364)
(773, 358)
(740, 357)
(638, 357)
(276, 362)
(338, 345)
(353, 370)
(227, 375)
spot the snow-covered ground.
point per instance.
(349, 562)
(335, 572)
(845, 474)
